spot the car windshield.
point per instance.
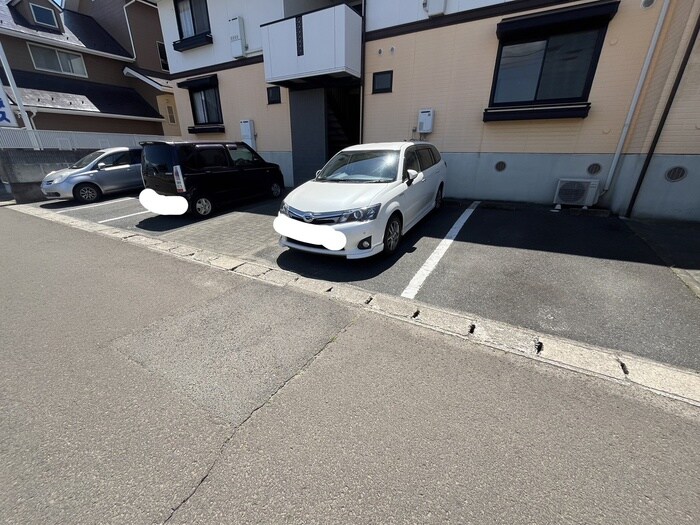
(361, 166)
(87, 159)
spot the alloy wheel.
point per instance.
(203, 206)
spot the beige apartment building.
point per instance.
(583, 103)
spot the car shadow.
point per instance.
(63, 204)
(164, 223)
(340, 269)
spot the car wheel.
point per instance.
(201, 206)
(86, 193)
(392, 234)
(275, 189)
(438, 199)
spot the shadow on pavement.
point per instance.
(537, 228)
(62, 204)
(340, 269)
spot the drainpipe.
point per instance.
(362, 75)
(664, 116)
(635, 98)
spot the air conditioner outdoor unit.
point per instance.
(576, 192)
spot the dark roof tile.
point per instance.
(81, 31)
(80, 95)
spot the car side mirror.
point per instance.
(101, 165)
(412, 174)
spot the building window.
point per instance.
(546, 63)
(171, 114)
(382, 81)
(274, 95)
(163, 56)
(44, 16)
(206, 104)
(193, 24)
(206, 107)
(55, 61)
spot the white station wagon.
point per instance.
(363, 200)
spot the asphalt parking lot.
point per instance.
(584, 277)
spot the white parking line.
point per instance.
(79, 208)
(430, 264)
(124, 216)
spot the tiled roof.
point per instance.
(79, 95)
(80, 30)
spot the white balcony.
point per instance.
(318, 44)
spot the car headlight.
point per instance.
(284, 209)
(60, 179)
(360, 214)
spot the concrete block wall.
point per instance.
(23, 170)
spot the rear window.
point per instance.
(426, 159)
(134, 156)
(157, 157)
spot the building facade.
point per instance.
(81, 67)
(577, 102)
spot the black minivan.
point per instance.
(208, 174)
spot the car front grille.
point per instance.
(295, 242)
(314, 218)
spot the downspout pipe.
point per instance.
(664, 116)
(637, 93)
(362, 75)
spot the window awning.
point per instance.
(200, 82)
(568, 19)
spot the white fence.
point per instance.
(69, 140)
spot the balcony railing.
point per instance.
(316, 44)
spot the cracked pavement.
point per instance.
(140, 388)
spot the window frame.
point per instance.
(30, 45)
(274, 100)
(200, 37)
(376, 74)
(590, 74)
(170, 110)
(53, 14)
(197, 85)
(543, 26)
(162, 56)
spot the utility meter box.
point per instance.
(238, 43)
(248, 132)
(425, 120)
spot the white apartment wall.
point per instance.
(253, 12)
(389, 13)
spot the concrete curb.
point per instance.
(675, 383)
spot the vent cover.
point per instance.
(594, 168)
(676, 173)
(576, 192)
(500, 165)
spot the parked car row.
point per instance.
(359, 204)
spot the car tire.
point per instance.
(276, 189)
(392, 234)
(201, 206)
(87, 193)
(438, 199)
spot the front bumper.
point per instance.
(63, 190)
(324, 239)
